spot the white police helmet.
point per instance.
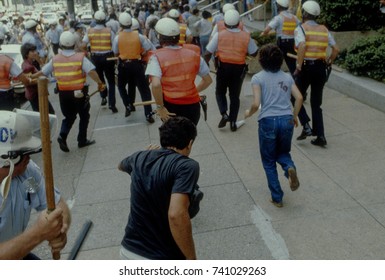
(135, 24)
(125, 19)
(173, 13)
(67, 39)
(312, 8)
(227, 7)
(30, 24)
(53, 22)
(283, 3)
(231, 18)
(100, 16)
(16, 137)
(167, 27)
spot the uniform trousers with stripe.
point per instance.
(229, 76)
(71, 107)
(313, 74)
(106, 68)
(132, 74)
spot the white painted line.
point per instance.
(272, 239)
(118, 126)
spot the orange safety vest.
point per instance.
(68, 71)
(179, 69)
(193, 47)
(146, 56)
(289, 25)
(232, 46)
(221, 25)
(5, 66)
(129, 45)
(183, 31)
(316, 41)
(100, 39)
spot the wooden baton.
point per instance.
(144, 103)
(112, 58)
(46, 147)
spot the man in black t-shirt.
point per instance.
(163, 181)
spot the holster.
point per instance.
(85, 89)
(328, 70)
(216, 63)
(244, 72)
(195, 200)
(203, 102)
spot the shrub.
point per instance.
(367, 58)
(349, 15)
(260, 41)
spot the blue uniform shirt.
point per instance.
(35, 40)
(15, 211)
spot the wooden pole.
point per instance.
(46, 147)
(144, 103)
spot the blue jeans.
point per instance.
(275, 135)
(274, 9)
(204, 40)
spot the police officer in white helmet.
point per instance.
(53, 36)
(100, 39)
(70, 70)
(173, 70)
(284, 24)
(22, 189)
(128, 45)
(185, 35)
(312, 41)
(220, 24)
(231, 46)
(32, 36)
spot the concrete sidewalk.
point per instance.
(337, 213)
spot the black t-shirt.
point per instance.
(155, 175)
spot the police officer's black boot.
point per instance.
(306, 131)
(223, 121)
(63, 143)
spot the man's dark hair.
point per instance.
(195, 12)
(72, 23)
(270, 58)
(152, 23)
(177, 132)
(25, 49)
(186, 8)
(206, 14)
(307, 16)
(113, 16)
(168, 40)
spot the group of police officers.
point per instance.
(171, 70)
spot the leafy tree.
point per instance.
(349, 15)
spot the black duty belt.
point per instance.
(6, 91)
(286, 40)
(314, 62)
(101, 54)
(130, 60)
